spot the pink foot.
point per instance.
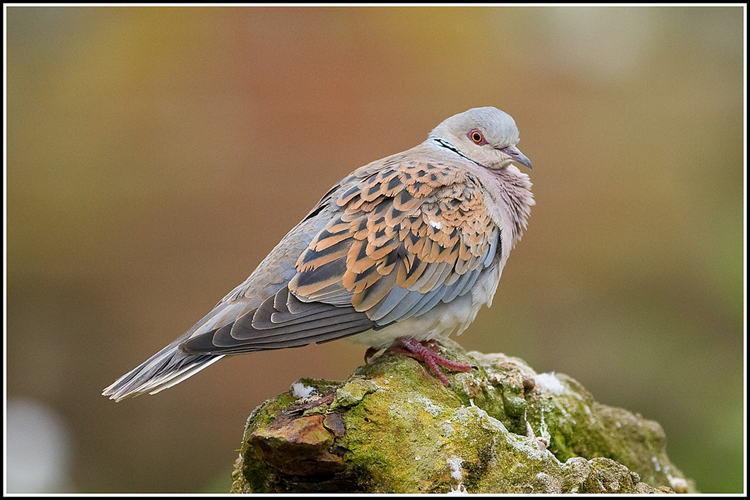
(420, 351)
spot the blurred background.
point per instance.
(155, 155)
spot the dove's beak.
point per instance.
(517, 155)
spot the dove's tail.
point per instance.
(164, 369)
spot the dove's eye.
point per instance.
(477, 137)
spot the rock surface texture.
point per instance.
(501, 428)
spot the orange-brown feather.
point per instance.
(412, 225)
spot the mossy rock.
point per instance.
(392, 427)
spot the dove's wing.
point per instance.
(400, 237)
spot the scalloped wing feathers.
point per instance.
(398, 240)
(407, 236)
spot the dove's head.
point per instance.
(486, 136)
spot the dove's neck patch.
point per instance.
(447, 145)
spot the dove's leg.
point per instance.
(419, 350)
(431, 344)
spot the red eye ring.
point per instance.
(477, 137)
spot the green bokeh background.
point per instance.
(156, 154)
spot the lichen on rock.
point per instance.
(392, 427)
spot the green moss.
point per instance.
(393, 427)
(353, 392)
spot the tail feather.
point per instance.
(172, 365)
(164, 369)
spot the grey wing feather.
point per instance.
(275, 325)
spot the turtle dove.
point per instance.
(402, 252)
